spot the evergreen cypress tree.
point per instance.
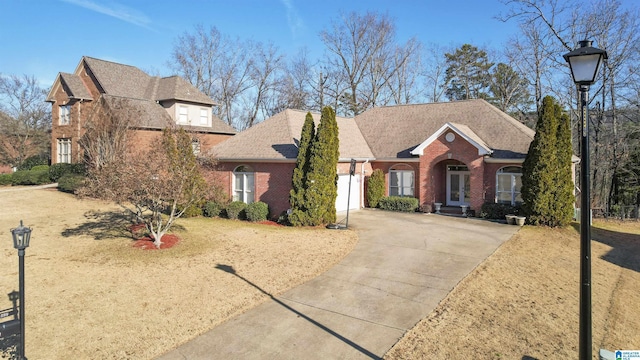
(298, 216)
(546, 172)
(564, 197)
(322, 178)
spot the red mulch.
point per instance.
(146, 243)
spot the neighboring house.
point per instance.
(159, 102)
(454, 153)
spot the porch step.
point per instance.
(451, 211)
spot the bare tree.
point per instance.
(295, 86)
(106, 134)
(435, 66)
(362, 52)
(263, 77)
(24, 119)
(149, 183)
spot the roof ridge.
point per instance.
(112, 62)
(515, 123)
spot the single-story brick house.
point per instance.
(159, 102)
(453, 153)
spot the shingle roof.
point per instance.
(175, 87)
(394, 131)
(131, 82)
(152, 116)
(277, 138)
(74, 87)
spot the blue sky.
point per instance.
(45, 37)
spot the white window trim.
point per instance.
(512, 177)
(64, 150)
(242, 195)
(400, 187)
(205, 117)
(180, 114)
(64, 112)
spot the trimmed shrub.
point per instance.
(235, 210)
(40, 168)
(375, 188)
(32, 161)
(496, 211)
(257, 211)
(212, 209)
(5, 179)
(31, 177)
(70, 183)
(194, 210)
(398, 203)
(56, 171)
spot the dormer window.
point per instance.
(65, 114)
(204, 117)
(183, 114)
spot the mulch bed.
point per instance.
(146, 243)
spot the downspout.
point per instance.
(362, 173)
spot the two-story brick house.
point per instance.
(158, 102)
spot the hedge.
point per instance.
(5, 179)
(212, 209)
(235, 210)
(398, 203)
(498, 211)
(70, 183)
(31, 177)
(257, 211)
(56, 171)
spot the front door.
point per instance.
(458, 186)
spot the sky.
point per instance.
(45, 37)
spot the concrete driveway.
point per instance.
(402, 267)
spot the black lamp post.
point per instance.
(21, 237)
(584, 63)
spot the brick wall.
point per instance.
(272, 183)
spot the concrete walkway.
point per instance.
(402, 267)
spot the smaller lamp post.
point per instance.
(21, 237)
(584, 63)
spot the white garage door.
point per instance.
(343, 192)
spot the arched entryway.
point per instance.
(458, 180)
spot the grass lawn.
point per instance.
(523, 301)
(91, 295)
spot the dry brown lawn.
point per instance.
(523, 302)
(91, 295)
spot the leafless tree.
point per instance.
(24, 119)
(155, 185)
(362, 51)
(107, 131)
(435, 66)
(264, 69)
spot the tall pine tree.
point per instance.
(322, 178)
(547, 188)
(298, 216)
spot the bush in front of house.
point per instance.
(32, 161)
(398, 203)
(212, 209)
(496, 211)
(5, 179)
(38, 175)
(375, 188)
(194, 210)
(70, 182)
(235, 210)
(56, 171)
(257, 211)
